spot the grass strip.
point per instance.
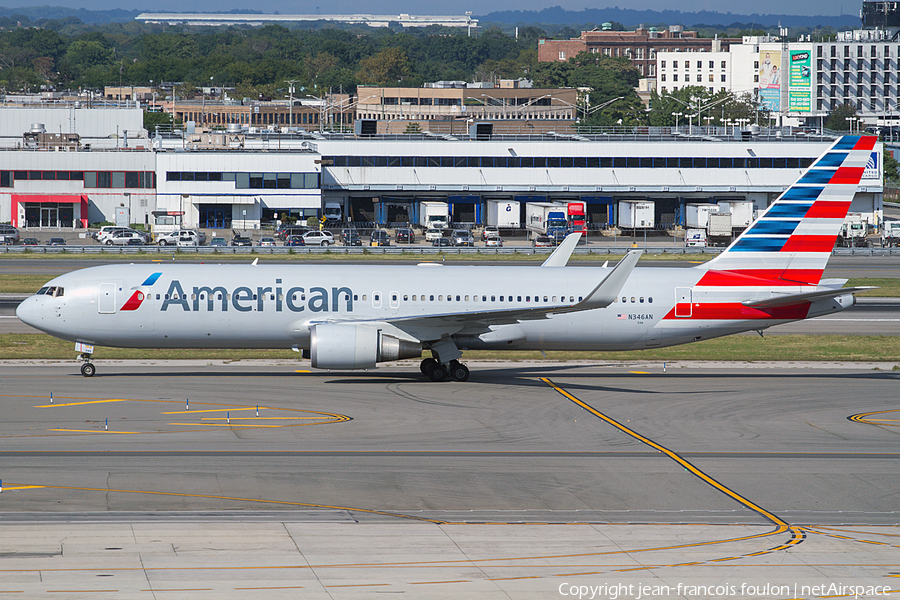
(731, 348)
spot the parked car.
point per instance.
(433, 234)
(294, 240)
(287, 232)
(108, 232)
(405, 235)
(352, 238)
(121, 238)
(544, 241)
(56, 242)
(462, 237)
(348, 231)
(380, 237)
(135, 242)
(441, 241)
(172, 238)
(489, 231)
(237, 239)
(186, 240)
(218, 241)
(266, 241)
(318, 238)
(493, 241)
(30, 242)
(8, 234)
(105, 231)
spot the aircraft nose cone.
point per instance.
(25, 311)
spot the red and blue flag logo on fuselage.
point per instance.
(134, 302)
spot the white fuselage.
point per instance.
(273, 306)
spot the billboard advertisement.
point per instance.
(801, 75)
(770, 79)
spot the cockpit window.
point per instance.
(56, 292)
(42, 291)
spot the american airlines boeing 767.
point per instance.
(355, 316)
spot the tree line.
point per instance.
(321, 59)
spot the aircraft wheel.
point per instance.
(427, 365)
(458, 371)
(438, 372)
(88, 369)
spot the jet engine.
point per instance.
(356, 346)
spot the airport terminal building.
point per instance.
(244, 181)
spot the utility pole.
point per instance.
(291, 89)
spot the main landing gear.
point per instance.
(87, 367)
(436, 371)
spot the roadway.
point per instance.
(529, 476)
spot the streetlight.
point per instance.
(676, 115)
(291, 83)
(853, 120)
(708, 119)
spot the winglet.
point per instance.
(560, 256)
(607, 290)
(255, 261)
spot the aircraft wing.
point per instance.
(473, 322)
(793, 299)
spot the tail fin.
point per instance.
(790, 243)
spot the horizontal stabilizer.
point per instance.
(563, 252)
(793, 299)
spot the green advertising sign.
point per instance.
(800, 68)
(799, 100)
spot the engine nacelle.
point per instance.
(356, 346)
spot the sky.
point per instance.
(435, 7)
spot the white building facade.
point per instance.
(800, 82)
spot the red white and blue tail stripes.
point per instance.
(790, 243)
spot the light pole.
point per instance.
(853, 120)
(676, 115)
(708, 119)
(291, 83)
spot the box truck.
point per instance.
(503, 213)
(696, 214)
(546, 218)
(434, 215)
(636, 214)
(719, 230)
(741, 213)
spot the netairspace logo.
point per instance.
(871, 171)
(634, 591)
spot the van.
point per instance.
(695, 238)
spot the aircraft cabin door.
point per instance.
(106, 298)
(683, 303)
